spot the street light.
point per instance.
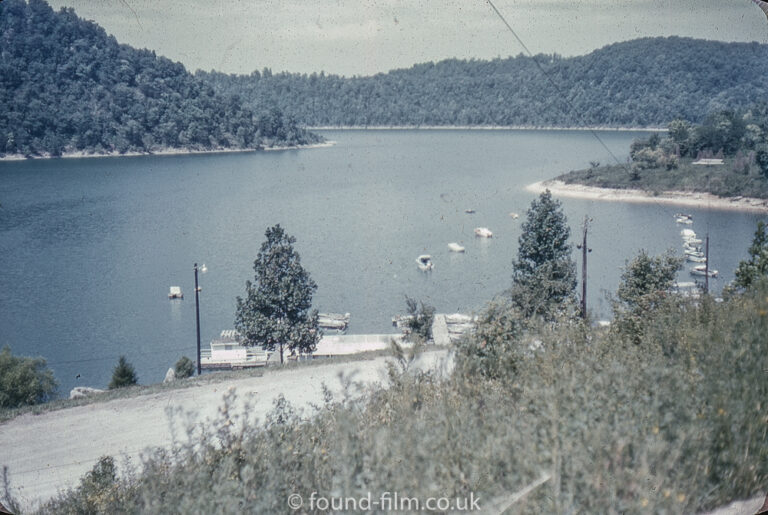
(203, 269)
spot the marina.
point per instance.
(107, 218)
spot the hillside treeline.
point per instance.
(644, 82)
(66, 86)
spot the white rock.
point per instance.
(83, 391)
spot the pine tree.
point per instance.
(276, 309)
(123, 374)
(544, 276)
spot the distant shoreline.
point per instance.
(166, 152)
(480, 128)
(681, 198)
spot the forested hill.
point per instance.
(644, 82)
(66, 86)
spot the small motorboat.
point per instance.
(694, 253)
(702, 270)
(425, 262)
(695, 259)
(514, 216)
(692, 241)
(455, 247)
(683, 218)
(469, 211)
(483, 232)
(687, 233)
(175, 293)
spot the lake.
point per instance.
(91, 246)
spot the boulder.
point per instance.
(83, 391)
(169, 376)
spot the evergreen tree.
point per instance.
(276, 309)
(750, 272)
(123, 375)
(544, 276)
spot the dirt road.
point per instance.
(50, 452)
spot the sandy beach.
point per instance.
(167, 152)
(679, 198)
(480, 128)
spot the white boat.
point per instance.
(695, 259)
(425, 262)
(336, 321)
(687, 233)
(702, 270)
(227, 352)
(483, 232)
(692, 241)
(175, 293)
(455, 247)
(684, 221)
(469, 211)
(514, 216)
(694, 253)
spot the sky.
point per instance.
(364, 37)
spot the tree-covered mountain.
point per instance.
(66, 86)
(644, 82)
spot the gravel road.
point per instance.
(50, 452)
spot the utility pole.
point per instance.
(584, 251)
(197, 315)
(706, 265)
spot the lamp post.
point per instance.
(197, 316)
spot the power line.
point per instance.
(555, 85)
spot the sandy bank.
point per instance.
(166, 152)
(680, 198)
(480, 128)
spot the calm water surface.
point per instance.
(91, 246)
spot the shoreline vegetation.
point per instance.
(483, 128)
(166, 152)
(680, 198)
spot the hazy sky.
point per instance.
(362, 37)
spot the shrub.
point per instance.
(23, 380)
(184, 368)
(123, 375)
(419, 321)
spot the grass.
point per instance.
(719, 180)
(677, 423)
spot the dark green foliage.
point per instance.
(66, 86)
(184, 368)
(276, 309)
(755, 269)
(23, 380)
(740, 137)
(645, 286)
(123, 374)
(644, 82)
(544, 276)
(420, 322)
(620, 429)
(761, 158)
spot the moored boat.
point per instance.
(702, 270)
(425, 262)
(483, 232)
(455, 247)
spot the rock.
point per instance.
(83, 391)
(169, 376)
